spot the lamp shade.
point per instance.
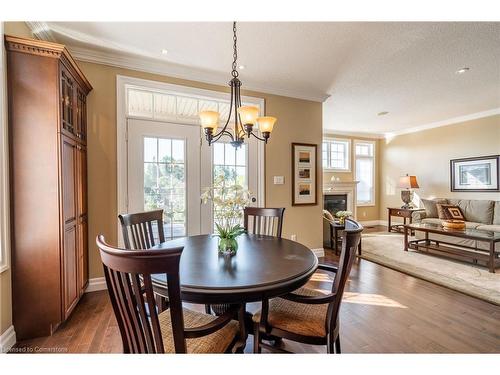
(408, 182)
(209, 119)
(266, 123)
(248, 114)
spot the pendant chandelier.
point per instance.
(245, 117)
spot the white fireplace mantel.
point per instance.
(343, 187)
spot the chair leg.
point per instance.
(337, 345)
(208, 310)
(161, 303)
(256, 339)
(330, 345)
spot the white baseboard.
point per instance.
(319, 252)
(370, 222)
(7, 339)
(99, 283)
(373, 222)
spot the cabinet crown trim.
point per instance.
(46, 49)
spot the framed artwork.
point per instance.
(304, 174)
(475, 174)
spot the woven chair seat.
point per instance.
(216, 342)
(294, 317)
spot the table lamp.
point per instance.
(407, 183)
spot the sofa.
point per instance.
(479, 214)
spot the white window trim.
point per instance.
(349, 153)
(374, 158)
(122, 84)
(4, 167)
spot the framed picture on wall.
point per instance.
(475, 174)
(304, 174)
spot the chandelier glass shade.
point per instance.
(245, 118)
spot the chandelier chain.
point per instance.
(234, 72)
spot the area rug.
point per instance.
(387, 249)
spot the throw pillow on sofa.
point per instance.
(450, 212)
(430, 206)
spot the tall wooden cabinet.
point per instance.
(48, 183)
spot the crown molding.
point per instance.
(415, 129)
(41, 30)
(334, 133)
(149, 65)
(450, 121)
(101, 51)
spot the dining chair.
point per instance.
(143, 230)
(308, 315)
(266, 221)
(176, 330)
(138, 229)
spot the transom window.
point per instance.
(364, 155)
(336, 154)
(171, 106)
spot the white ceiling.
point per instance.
(360, 68)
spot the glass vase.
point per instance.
(228, 246)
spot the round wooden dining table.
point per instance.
(263, 267)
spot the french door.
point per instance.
(163, 172)
(169, 165)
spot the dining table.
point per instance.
(263, 267)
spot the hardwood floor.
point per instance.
(384, 311)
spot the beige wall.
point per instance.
(364, 213)
(292, 114)
(18, 29)
(427, 155)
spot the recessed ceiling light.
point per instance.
(241, 67)
(164, 51)
(462, 70)
(383, 113)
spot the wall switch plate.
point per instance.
(293, 237)
(279, 180)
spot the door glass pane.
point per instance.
(178, 151)
(150, 149)
(165, 182)
(218, 153)
(231, 163)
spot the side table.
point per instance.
(335, 228)
(405, 213)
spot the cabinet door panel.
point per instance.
(67, 98)
(69, 178)
(82, 217)
(83, 274)
(68, 169)
(81, 115)
(70, 284)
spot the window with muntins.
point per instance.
(335, 154)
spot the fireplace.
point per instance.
(335, 202)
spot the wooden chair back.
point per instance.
(128, 278)
(350, 242)
(138, 229)
(265, 221)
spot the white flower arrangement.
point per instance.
(229, 200)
